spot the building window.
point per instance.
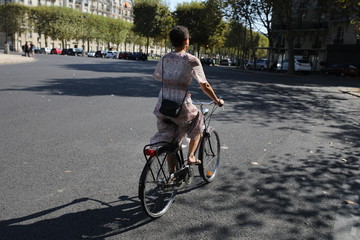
(298, 42)
(339, 38)
(303, 4)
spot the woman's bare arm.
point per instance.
(207, 89)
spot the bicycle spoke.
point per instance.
(155, 197)
(209, 152)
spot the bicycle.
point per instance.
(160, 181)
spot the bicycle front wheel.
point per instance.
(209, 154)
(154, 192)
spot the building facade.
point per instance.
(118, 9)
(321, 35)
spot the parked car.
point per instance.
(100, 54)
(36, 50)
(91, 54)
(65, 51)
(342, 70)
(207, 61)
(226, 61)
(260, 64)
(300, 65)
(74, 51)
(234, 62)
(137, 56)
(56, 51)
(112, 54)
(123, 55)
(45, 50)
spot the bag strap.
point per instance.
(162, 82)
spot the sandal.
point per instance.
(197, 162)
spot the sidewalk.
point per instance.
(14, 58)
(352, 91)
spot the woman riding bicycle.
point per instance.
(176, 70)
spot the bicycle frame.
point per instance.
(166, 171)
(154, 150)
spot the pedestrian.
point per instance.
(176, 71)
(32, 49)
(27, 49)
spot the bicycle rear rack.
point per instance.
(155, 149)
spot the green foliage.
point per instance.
(146, 22)
(166, 23)
(66, 24)
(235, 37)
(149, 18)
(13, 18)
(116, 31)
(202, 20)
(40, 17)
(352, 9)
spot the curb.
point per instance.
(350, 92)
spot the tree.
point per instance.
(117, 29)
(93, 28)
(40, 17)
(244, 11)
(352, 10)
(214, 18)
(284, 13)
(166, 23)
(13, 18)
(202, 20)
(264, 10)
(147, 19)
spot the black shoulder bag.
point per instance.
(168, 107)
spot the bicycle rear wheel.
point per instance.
(209, 154)
(154, 192)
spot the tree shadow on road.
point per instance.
(115, 218)
(87, 87)
(115, 67)
(299, 191)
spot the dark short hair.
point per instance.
(178, 35)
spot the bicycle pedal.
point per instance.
(182, 172)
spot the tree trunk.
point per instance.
(290, 41)
(147, 45)
(270, 55)
(252, 50)
(198, 51)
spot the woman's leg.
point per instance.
(192, 148)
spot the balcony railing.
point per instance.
(279, 45)
(316, 45)
(302, 26)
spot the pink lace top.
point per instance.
(179, 70)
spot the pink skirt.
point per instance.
(188, 124)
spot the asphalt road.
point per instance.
(73, 129)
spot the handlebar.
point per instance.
(196, 102)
